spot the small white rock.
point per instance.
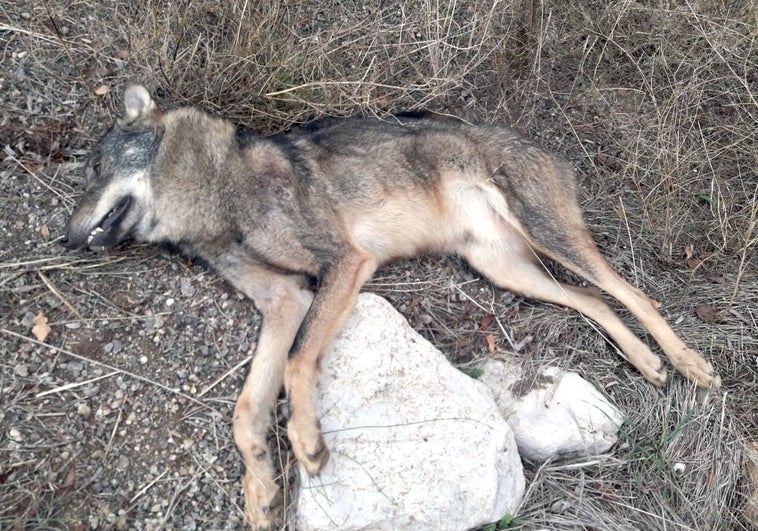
(552, 412)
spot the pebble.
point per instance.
(186, 288)
(114, 347)
(22, 369)
(74, 367)
(122, 463)
(28, 320)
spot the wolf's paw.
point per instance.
(262, 501)
(654, 371)
(308, 445)
(692, 365)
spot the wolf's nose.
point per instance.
(65, 241)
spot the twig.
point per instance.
(331, 83)
(115, 427)
(5, 27)
(144, 489)
(58, 294)
(743, 258)
(226, 375)
(74, 385)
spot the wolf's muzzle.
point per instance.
(105, 234)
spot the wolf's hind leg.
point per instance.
(536, 198)
(510, 263)
(570, 243)
(687, 361)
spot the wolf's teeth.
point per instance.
(95, 232)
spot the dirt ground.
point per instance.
(118, 414)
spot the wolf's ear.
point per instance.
(138, 103)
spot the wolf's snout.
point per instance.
(68, 242)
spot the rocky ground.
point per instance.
(119, 371)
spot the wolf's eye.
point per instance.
(91, 172)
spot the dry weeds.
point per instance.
(654, 102)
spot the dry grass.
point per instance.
(655, 103)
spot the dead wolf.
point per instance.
(324, 206)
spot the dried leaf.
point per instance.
(486, 321)
(716, 278)
(102, 90)
(44, 232)
(706, 312)
(41, 329)
(32, 167)
(69, 483)
(490, 343)
(693, 263)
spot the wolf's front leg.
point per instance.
(252, 420)
(262, 494)
(304, 428)
(339, 287)
(283, 301)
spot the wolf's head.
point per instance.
(117, 202)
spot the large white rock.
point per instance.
(551, 411)
(415, 444)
